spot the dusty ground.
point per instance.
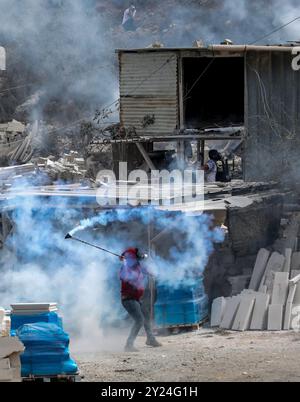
(204, 355)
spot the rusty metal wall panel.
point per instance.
(148, 86)
(272, 145)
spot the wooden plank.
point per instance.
(145, 156)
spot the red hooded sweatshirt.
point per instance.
(132, 277)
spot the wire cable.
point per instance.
(199, 78)
(275, 30)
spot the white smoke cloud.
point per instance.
(61, 49)
(45, 267)
(64, 49)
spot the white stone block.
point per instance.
(230, 312)
(264, 289)
(296, 299)
(275, 264)
(10, 345)
(275, 316)
(259, 268)
(15, 360)
(217, 311)
(295, 317)
(4, 364)
(295, 262)
(6, 375)
(280, 288)
(244, 313)
(288, 307)
(260, 312)
(288, 258)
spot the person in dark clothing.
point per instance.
(128, 22)
(133, 283)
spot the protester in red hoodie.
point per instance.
(133, 282)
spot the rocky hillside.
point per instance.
(61, 60)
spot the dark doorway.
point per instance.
(213, 92)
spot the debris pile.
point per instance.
(10, 175)
(44, 171)
(272, 300)
(10, 349)
(68, 168)
(12, 136)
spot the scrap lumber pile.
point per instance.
(10, 350)
(12, 174)
(24, 151)
(68, 168)
(12, 136)
(12, 131)
(272, 300)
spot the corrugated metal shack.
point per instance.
(189, 94)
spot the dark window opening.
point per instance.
(217, 98)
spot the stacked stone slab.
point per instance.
(272, 300)
(276, 306)
(10, 349)
(10, 363)
(260, 312)
(242, 319)
(217, 311)
(259, 268)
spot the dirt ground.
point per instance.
(203, 355)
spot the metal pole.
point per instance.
(93, 245)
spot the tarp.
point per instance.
(184, 305)
(46, 350)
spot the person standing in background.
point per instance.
(210, 168)
(129, 19)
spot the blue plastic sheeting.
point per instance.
(185, 305)
(46, 350)
(49, 369)
(18, 320)
(180, 293)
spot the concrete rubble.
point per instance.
(12, 136)
(272, 299)
(69, 168)
(10, 350)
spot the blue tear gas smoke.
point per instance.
(38, 264)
